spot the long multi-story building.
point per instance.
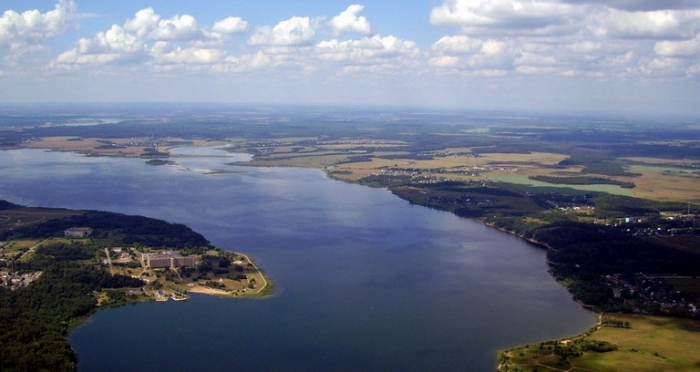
(171, 259)
(77, 232)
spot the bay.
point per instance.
(364, 280)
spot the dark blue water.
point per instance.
(365, 281)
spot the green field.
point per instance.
(654, 168)
(652, 343)
(521, 179)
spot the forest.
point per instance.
(35, 320)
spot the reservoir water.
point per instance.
(364, 281)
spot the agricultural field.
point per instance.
(136, 146)
(522, 179)
(653, 178)
(651, 343)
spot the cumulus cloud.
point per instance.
(641, 5)
(295, 31)
(597, 38)
(183, 28)
(32, 26)
(658, 24)
(149, 37)
(230, 25)
(462, 53)
(145, 21)
(511, 16)
(166, 53)
(147, 24)
(244, 63)
(366, 50)
(687, 48)
(114, 45)
(454, 45)
(349, 22)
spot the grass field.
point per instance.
(662, 185)
(657, 161)
(523, 179)
(652, 344)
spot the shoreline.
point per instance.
(222, 293)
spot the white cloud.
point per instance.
(149, 37)
(459, 44)
(32, 26)
(165, 53)
(183, 28)
(114, 45)
(640, 5)
(366, 50)
(145, 21)
(597, 38)
(511, 16)
(659, 24)
(147, 24)
(687, 48)
(630, 40)
(230, 25)
(295, 31)
(585, 46)
(667, 67)
(533, 59)
(446, 62)
(348, 22)
(462, 53)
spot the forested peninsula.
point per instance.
(59, 266)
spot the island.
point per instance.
(58, 266)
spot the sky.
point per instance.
(591, 56)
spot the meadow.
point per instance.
(650, 344)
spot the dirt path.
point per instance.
(259, 272)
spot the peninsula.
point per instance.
(58, 266)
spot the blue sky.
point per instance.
(613, 56)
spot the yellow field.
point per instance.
(87, 145)
(666, 186)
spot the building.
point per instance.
(171, 259)
(77, 232)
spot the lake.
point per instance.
(364, 280)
